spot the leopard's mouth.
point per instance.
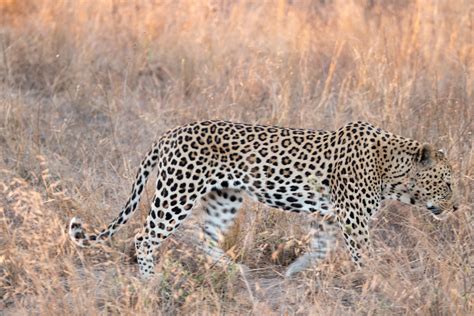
(435, 210)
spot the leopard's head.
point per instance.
(431, 182)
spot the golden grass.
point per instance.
(85, 86)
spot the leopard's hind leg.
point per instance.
(168, 210)
(322, 240)
(221, 208)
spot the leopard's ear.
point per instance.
(440, 154)
(426, 155)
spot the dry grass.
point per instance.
(85, 86)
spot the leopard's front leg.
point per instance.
(354, 223)
(356, 196)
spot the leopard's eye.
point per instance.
(449, 186)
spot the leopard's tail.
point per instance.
(83, 239)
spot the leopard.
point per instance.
(342, 177)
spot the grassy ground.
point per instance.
(85, 86)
